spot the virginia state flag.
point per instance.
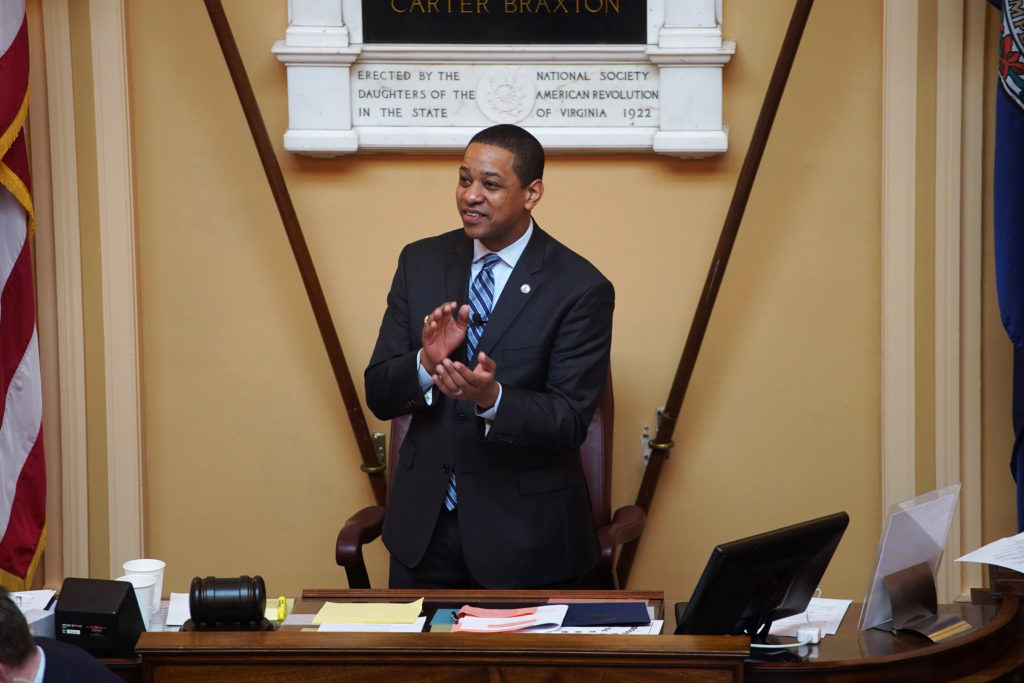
(1009, 173)
(1008, 216)
(22, 466)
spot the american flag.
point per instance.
(22, 466)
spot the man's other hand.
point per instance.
(456, 380)
(442, 334)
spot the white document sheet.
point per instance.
(27, 600)
(414, 627)
(823, 613)
(1006, 552)
(177, 609)
(651, 629)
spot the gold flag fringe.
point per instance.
(9, 178)
(13, 582)
(13, 130)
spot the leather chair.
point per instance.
(596, 452)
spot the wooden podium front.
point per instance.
(291, 654)
(993, 649)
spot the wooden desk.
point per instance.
(290, 654)
(994, 648)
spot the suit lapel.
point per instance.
(522, 284)
(456, 271)
(456, 280)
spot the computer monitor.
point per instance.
(749, 583)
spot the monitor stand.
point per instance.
(769, 655)
(758, 654)
(786, 652)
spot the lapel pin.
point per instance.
(525, 289)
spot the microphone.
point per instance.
(478, 321)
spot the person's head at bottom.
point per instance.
(19, 658)
(24, 659)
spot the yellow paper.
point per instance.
(368, 613)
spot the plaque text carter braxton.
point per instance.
(504, 22)
(505, 6)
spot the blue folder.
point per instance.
(607, 614)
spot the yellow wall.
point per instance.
(251, 464)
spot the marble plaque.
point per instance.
(625, 81)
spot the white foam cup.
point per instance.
(144, 586)
(148, 567)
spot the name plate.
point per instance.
(555, 22)
(531, 96)
(583, 75)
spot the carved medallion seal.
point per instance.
(505, 94)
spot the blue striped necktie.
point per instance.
(481, 298)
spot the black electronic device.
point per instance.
(98, 615)
(749, 583)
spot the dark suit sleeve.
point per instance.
(392, 387)
(556, 415)
(66, 663)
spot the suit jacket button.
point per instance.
(460, 418)
(444, 468)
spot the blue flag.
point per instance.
(1008, 218)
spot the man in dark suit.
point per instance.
(501, 360)
(23, 658)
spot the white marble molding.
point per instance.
(348, 96)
